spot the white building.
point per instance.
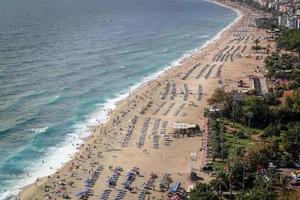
(295, 23)
(284, 20)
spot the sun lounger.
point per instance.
(186, 92)
(202, 71)
(199, 93)
(178, 110)
(129, 131)
(209, 72)
(186, 75)
(219, 71)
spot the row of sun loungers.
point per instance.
(163, 184)
(163, 132)
(225, 48)
(237, 49)
(155, 135)
(131, 176)
(231, 56)
(155, 141)
(178, 110)
(209, 72)
(186, 75)
(112, 181)
(227, 57)
(167, 140)
(199, 93)
(231, 41)
(232, 47)
(244, 49)
(144, 132)
(186, 92)
(247, 38)
(244, 37)
(241, 36)
(121, 194)
(239, 39)
(169, 108)
(159, 107)
(220, 57)
(173, 92)
(219, 71)
(148, 185)
(202, 71)
(216, 57)
(89, 183)
(222, 54)
(129, 131)
(105, 195)
(164, 127)
(165, 91)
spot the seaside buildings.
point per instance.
(285, 12)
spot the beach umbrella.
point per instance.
(79, 194)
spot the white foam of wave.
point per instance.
(122, 67)
(10, 195)
(203, 36)
(165, 50)
(54, 99)
(68, 150)
(39, 130)
(231, 8)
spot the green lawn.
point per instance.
(237, 141)
(218, 165)
(232, 139)
(240, 127)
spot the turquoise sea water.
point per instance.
(63, 60)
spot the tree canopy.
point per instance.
(290, 40)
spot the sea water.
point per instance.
(62, 61)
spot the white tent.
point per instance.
(183, 125)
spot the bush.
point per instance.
(241, 135)
(290, 40)
(271, 130)
(203, 192)
(256, 47)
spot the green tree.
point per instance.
(218, 97)
(291, 141)
(220, 183)
(290, 40)
(284, 183)
(259, 111)
(203, 192)
(259, 155)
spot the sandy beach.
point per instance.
(139, 133)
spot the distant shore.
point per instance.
(123, 140)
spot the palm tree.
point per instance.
(284, 182)
(249, 115)
(221, 182)
(268, 49)
(169, 181)
(256, 41)
(193, 176)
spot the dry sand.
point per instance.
(106, 146)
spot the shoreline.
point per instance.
(162, 73)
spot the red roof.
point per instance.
(286, 93)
